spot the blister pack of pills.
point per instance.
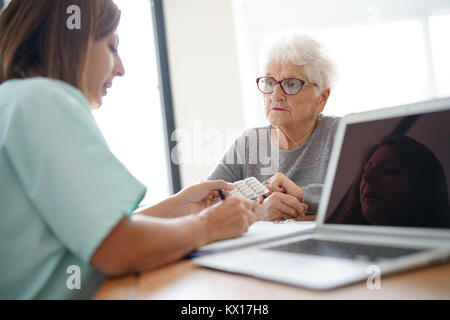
(249, 188)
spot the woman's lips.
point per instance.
(106, 86)
(371, 196)
(278, 109)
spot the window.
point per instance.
(439, 27)
(379, 65)
(387, 52)
(131, 116)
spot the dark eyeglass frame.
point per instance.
(302, 84)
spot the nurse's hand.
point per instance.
(227, 219)
(195, 198)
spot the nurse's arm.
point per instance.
(142, 242)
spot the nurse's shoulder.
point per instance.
(46, 93)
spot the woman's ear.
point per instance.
(323, 98)
(325, 95)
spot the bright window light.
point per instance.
(376, 69)
(440, 44)
(387, 53)
(131, 115)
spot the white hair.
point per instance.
(302, 50)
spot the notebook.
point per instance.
(384, 207)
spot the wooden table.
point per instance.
(184, 280)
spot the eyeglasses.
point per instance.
(290, 86)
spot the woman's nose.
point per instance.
(119, 69)
(370, 173)
(278, 94)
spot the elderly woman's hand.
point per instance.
(280, 183)
(280, 206)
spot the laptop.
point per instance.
(384, 206)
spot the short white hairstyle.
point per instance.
(303, 50)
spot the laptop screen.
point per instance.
(394, 172)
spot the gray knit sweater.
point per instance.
(254, 154)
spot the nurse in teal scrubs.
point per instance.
(66, 202)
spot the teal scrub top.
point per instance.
(61, 191)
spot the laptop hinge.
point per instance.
(383, 235)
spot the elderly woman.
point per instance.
(295, 86)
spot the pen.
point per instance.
(221, 194)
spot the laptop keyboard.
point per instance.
(345, 250)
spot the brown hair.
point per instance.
(34, 38)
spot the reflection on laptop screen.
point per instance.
(394, 172)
